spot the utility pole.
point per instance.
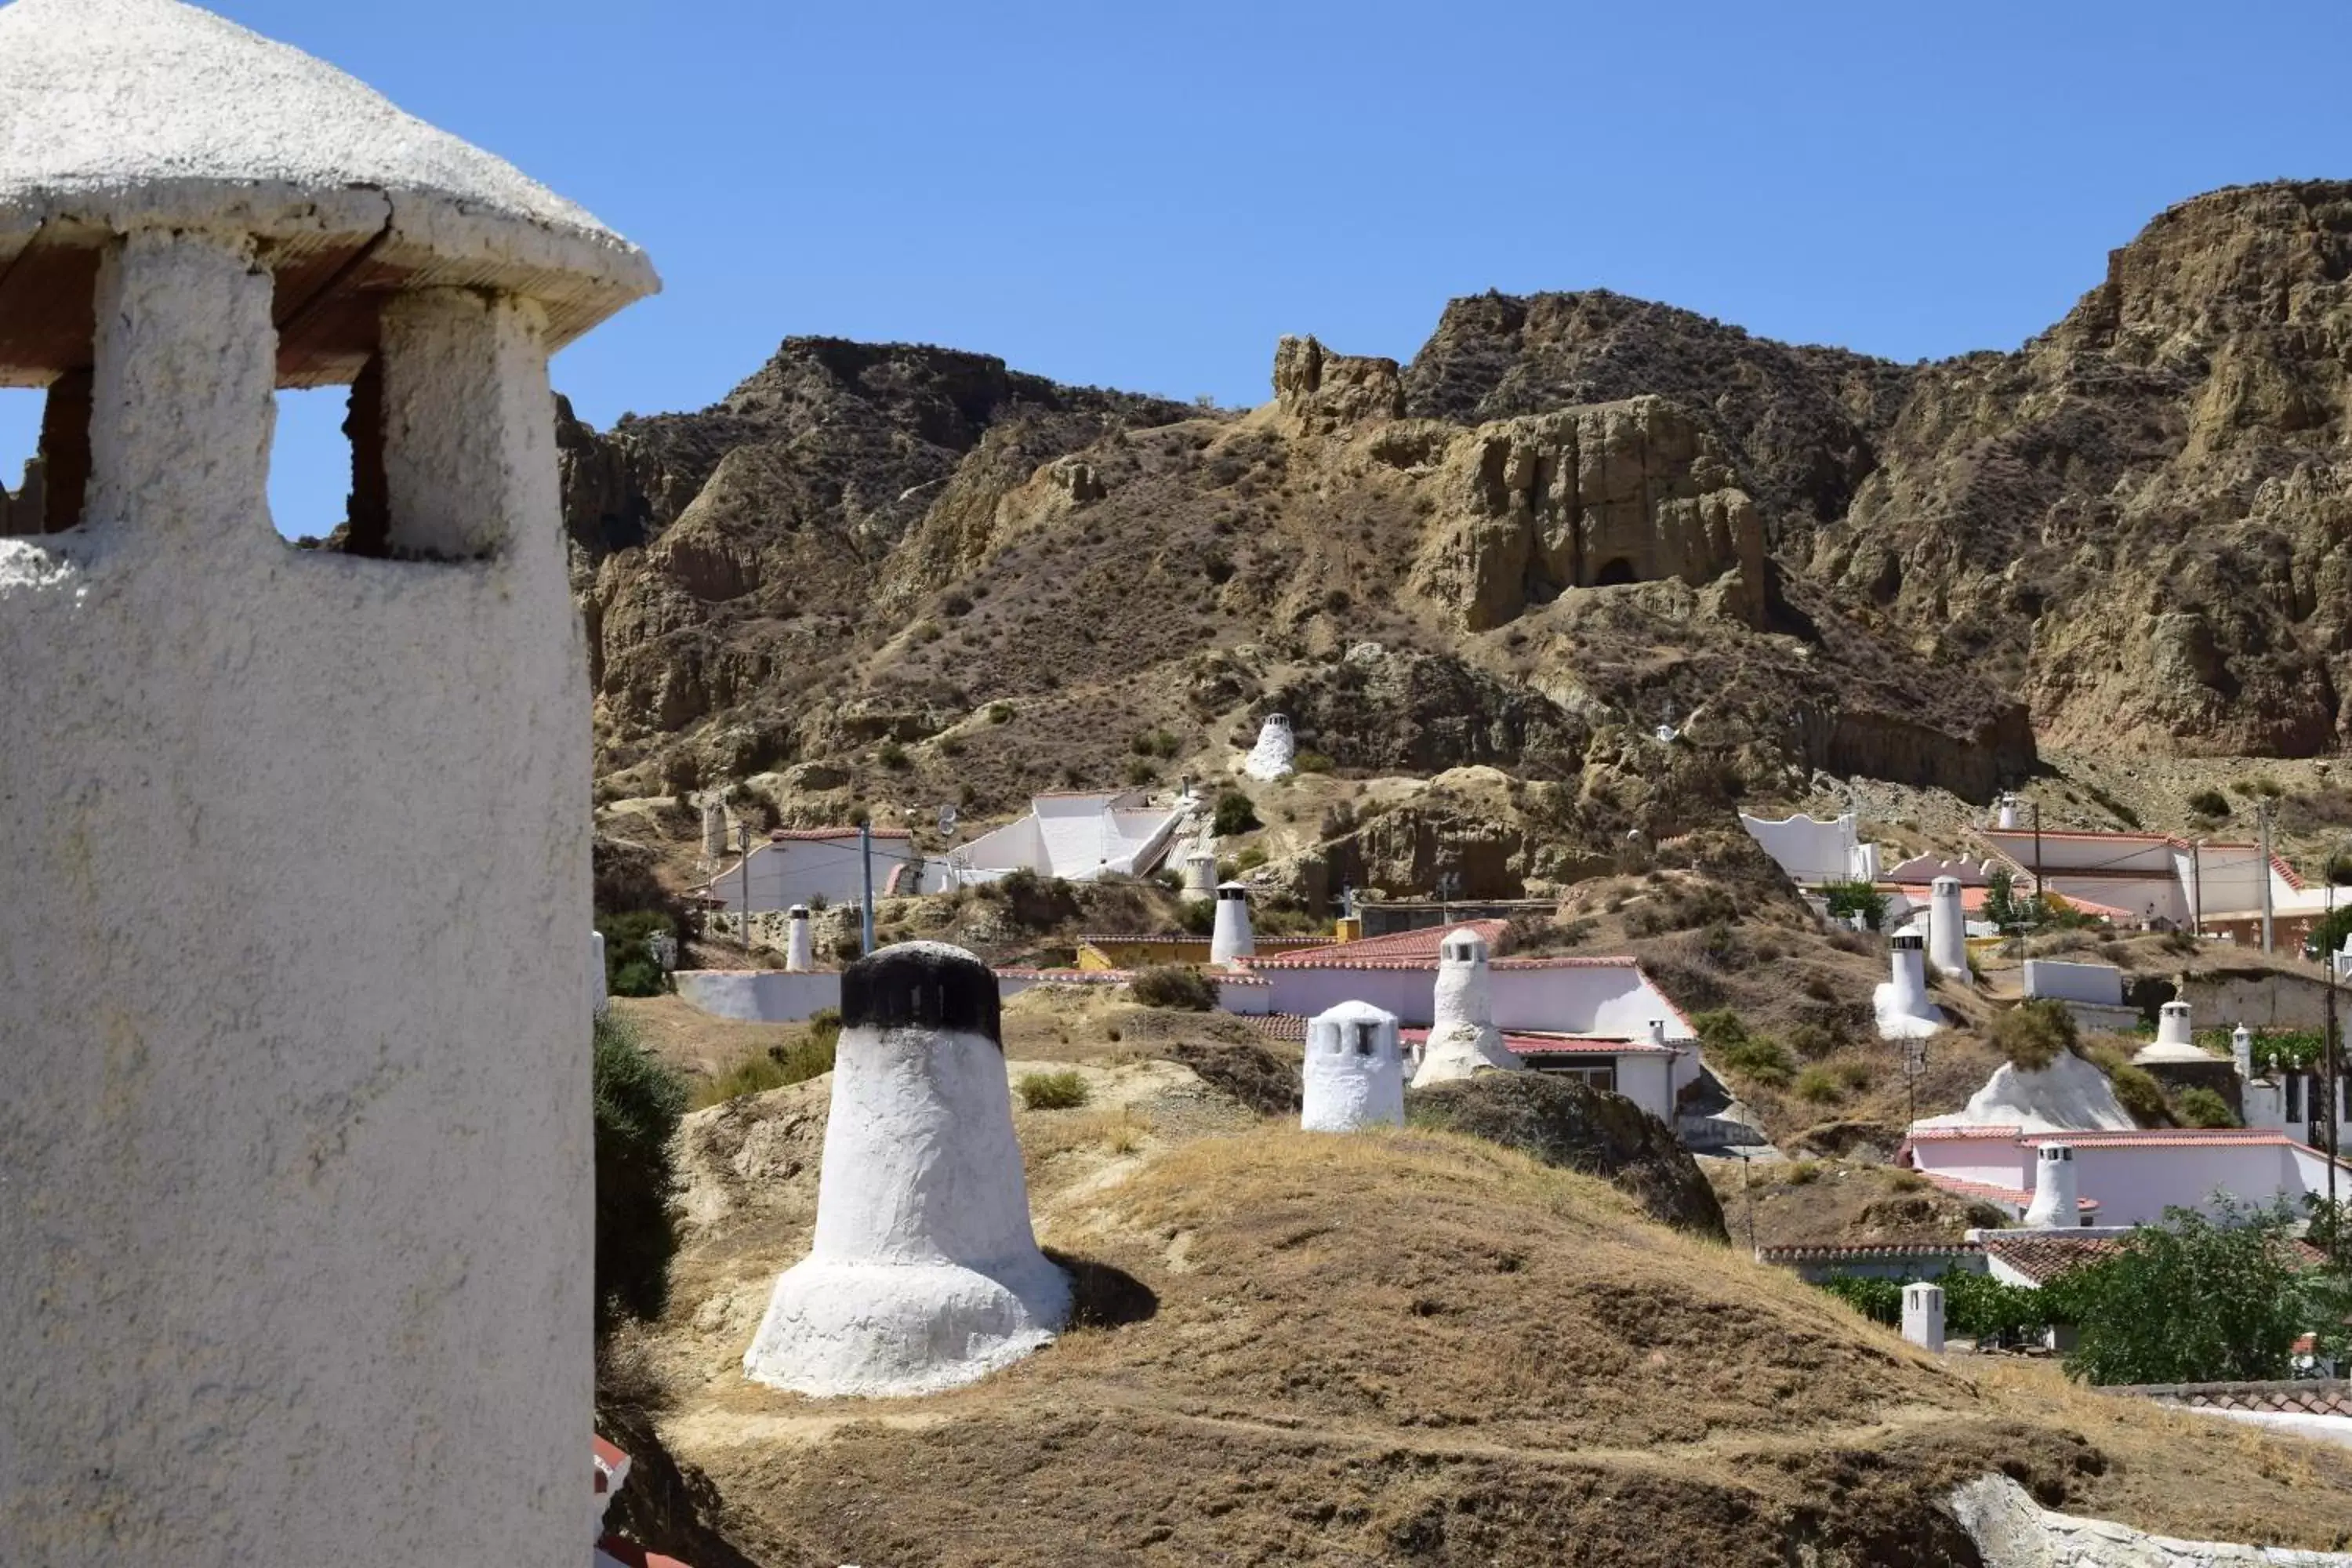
(743, 915)
(2039, 907)
(2197, 889)
(865, 859)
(2263, 814)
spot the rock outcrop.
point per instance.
(1320, 391)
(1562, 1122)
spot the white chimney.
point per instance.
(1948, 932)
(1230, 938)
(2172, 1026)
(2241, 1052)
(1658, 1032)
(1354, 1070)
(2009, 811)
(2054, 1190)
(1200, 876)
(599, 997)
(1909, 956)
(924, 1272)
(1923, 1315)
(800, 947)
(1462, 1038)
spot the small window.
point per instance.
(316, 487)
(1365, 1036)
(44, 455)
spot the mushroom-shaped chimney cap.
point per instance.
(121, 113)
(1462, 945)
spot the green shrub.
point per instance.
(637, 1103)
(1249, 860)
(1175, 985)
(1000, 712)
(1804, 1173)
(2210, 803)
(2259, 784)
(1854, 1075)
(630, 967)
(1817, 1085)
(2035, 1033)
(1235, 815)
(1063, 1091)
(2192, 1301)
(1140, 772)
(1757, 1057)
(2141, 1095)
(2200, 1107)
(1311, 763)
(1856, 899)
(1880, 1300)
(890, 754)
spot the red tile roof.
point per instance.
(1068, 976)
(2043, 1255)
(1960, 1186)
(1981, 1129)
(1278, 1025)
(1288, 943)
(1530, 1044)
(2163, 1138)
(2329, 1398)
(1399, 949)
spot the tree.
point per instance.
(638, 1103)
(1235, 815)
(2192, 1301)
(2001, 906)
(1856, 899)
(2328, 936)
(2035, 1033)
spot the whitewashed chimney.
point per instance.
(1658, 1033)
(1923, 1315)
(800, 946)
(2241, 1052)
(2008, 819)
(1230, 939)
(1948, 931)
(1276, 755)
(2172, 1026)
(1353, 1072)
(2055, 1205)
(924, 1273)
(1200, 874)
(1462, 1038)
(298, 1168)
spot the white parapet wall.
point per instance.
(2100, 984)
(758, 995)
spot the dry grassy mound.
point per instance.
(1419, 1348)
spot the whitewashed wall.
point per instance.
(758, 995)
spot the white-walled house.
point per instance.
(2125, 1178)
(1813, 850)
(824, 866)
(1590, 1016)
(1077, 834)
(2157, 877)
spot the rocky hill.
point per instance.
(896, 574)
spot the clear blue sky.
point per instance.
(1147, 196)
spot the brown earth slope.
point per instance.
(1410, 1348)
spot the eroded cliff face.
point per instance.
(1567, 515)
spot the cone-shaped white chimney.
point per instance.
(1353, 1071)
(1462, 1038)
(1230, 938)
(1948, 932)
(2054, 1194)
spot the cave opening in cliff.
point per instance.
(1618, 570)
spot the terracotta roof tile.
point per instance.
(1960, 1186)
(1399, 949)
(1278, 1025)
(1810, 1251)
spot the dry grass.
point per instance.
(1417, 1347)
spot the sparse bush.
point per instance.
(2261, 785)
(2140, 1094)
(2035, 1033)
(1811, 1041)
(2210, 803)
(2200, 1107)
(1804, 1173)
(1855, 1076)
(951, 745)
(1175, 985)
(1908, 1181)
(1311, 763)
(1235, 815)
(890, 754)
(1063, 1091)
(630, 967)
(1757, 1057)
(1000, 712)
(1817, 1085)
(1197, 917)
(637, 1103)
(1250, 860)
(1140, 772)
